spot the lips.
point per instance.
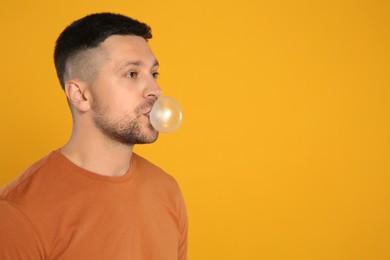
(147, 112)
(147, 107)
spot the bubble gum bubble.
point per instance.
(166, 115)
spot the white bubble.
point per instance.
(166, 115)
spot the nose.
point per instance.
(152, 90)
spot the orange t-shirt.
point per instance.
(57, 210)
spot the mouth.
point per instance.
(147, 108)
(147, 116)
(147, 112)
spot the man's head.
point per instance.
(108, 73)
(76, 46)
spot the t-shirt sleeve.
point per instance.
(183, 218)
(18, 238)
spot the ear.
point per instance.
(75, 91)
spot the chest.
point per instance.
(120, 226)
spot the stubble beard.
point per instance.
(128, 130)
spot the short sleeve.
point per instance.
(18, 238)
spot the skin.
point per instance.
(119, 98)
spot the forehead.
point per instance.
(124, 48)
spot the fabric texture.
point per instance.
(57, 210)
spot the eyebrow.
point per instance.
(136, 63)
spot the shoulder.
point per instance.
(145, 170)
(147, 167)
(19, 184)
(155, 182)
(18, 237)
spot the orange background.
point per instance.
(284, 148)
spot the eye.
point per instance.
(155, 75)
(132, 74)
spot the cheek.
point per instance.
(123, 105)
(127, 99)
(119, 95)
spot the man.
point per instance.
(94, 198)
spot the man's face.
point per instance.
(125, 90)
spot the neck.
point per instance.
(96, 153)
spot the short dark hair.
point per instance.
(88, 32)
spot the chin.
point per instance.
(150, 134)
(154, 136)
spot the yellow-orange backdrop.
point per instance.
(284, 148)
